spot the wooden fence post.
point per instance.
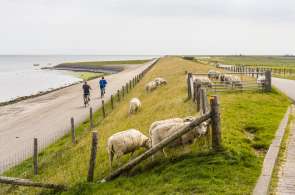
(198, 96)
(204, 100)
(126, 87)
(92, 157)
(122, 92)
(130, 84)
(118, 94)
(267, 84)
(189, 88)
(73, 131)
(103, 109)
(112, 102)
(216, 127)
(35, 156)
(91, 117)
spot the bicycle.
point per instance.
(86, 99)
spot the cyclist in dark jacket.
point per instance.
(102, 86)
(86, 92)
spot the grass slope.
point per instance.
(249, 121)
(270, 61)
(104, 63)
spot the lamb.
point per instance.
(125, 142)
(164, 130)
(134, 105)
(150, 86)
(205, 81)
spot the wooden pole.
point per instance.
(35, 156)
(118, 94)
(92, 157)
(216, 127)
(157, 147)
(204, 101)
(267, 84)
(189, 91)
(103, 109)
(112, 102)
(198, 96)
(26, 182)
(122, 92)
(73, 131)
(91, 118)
(126, 87)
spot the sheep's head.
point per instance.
(188, 119)
(147, 143)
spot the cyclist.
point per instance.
(86, 90)
(102, 86)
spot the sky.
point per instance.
(155, 27)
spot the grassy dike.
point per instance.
(249, 121)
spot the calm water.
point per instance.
(18, 76)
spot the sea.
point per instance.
(21, 75)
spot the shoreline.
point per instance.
(75, 67)
(40, 93)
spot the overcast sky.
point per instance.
(147, 26)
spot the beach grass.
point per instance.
(249, 121)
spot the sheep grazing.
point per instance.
(205, 81)
(134, 105)
(160, 81)
(235, 81)
(260, 79)
(163, 130)
(171, 120)
(125, 142)
(150, 86)
(213, 74)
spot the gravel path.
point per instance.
(47, 117)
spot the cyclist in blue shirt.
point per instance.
(102, 86)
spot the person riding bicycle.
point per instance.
(86, 90)
(102, 85)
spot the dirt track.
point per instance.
(49, 115)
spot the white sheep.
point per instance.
(205, 81)
(170, 120)
(260, 79)
(164, 130)
(160, 81)
(150, 86)
(134, 105)
(125, 142)
(213, 74)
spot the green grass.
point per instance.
(276, 63)
(104, 63)
(270, 61)
(249, 121)
(87, 75)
